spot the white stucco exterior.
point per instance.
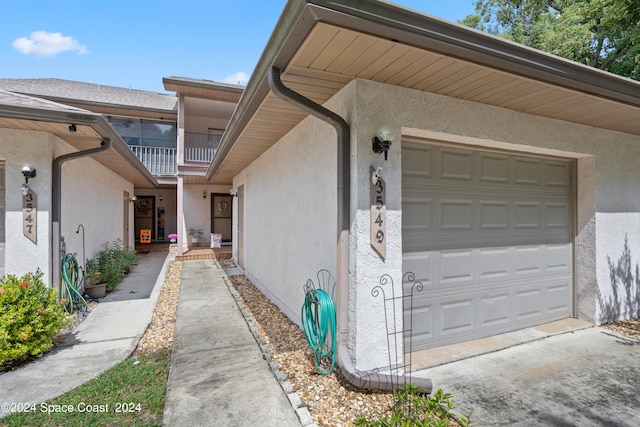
(197, 210)
(33, 149)
(289, 200)
(290, 214)
(92, 195)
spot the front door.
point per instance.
(221, 215)
(143, 219)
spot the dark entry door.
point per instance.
(143, 216)
(221, 215)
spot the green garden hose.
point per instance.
(319, 325)
(73, 281)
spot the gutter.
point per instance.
(64, 114)
(359, 379)
(56, 202)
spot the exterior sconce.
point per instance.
(28, 173)
(382, 141)
(375, 176)
(233, 193)
(204, 194)
(160, 198)
(133, 199)
(73, 128)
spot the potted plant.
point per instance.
(94, 285)
(195, 233)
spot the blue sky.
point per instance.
(136, 43)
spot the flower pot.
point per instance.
(96, 291)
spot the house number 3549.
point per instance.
(379, 217)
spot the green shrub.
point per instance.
(415, 409)
(114, 263)
(30, 318)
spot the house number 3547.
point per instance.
(379, 217)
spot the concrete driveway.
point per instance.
(590, 377)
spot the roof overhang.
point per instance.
(321, 46)
(90, 130)
(207, 89)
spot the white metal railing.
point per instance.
(159, 161)
(200, 147)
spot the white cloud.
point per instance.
(43, 43)
(238, 78)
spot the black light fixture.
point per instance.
(382, 141)
(72, 128)
(28, 173)
(204, 194)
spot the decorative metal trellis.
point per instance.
(399, 340)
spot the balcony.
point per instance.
(200, 147)
(159, 161)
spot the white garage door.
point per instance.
(488, 234)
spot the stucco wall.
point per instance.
(92, 195)
(18, 149)
(289, 218)
(290, 214)
(608, 195)
(169, 203)
(197, 209)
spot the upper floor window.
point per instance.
(145, 133)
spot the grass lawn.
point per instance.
(130, 394)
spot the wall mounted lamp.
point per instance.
(375, 175)
(133, 199)
(28, 173)
(204, 194)
(160, 198)
(73, 128)
(233, 193)
(382, 141)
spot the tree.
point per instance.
(601, 33)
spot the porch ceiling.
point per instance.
(84, 138)
(332, 55)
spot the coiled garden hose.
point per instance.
(73, 282)
(319, 324)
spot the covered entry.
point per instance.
(489, 235)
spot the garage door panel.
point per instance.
(492, 248)
(455, 165)
(494, 168)
(495, 310)
(494, 264)
(455, 267)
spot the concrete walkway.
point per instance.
(218, 374)
(105, 338)
(590, 377)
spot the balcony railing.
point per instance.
(159, 161)
(200, 147)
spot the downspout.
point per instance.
(357, 378)
(56, 206)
